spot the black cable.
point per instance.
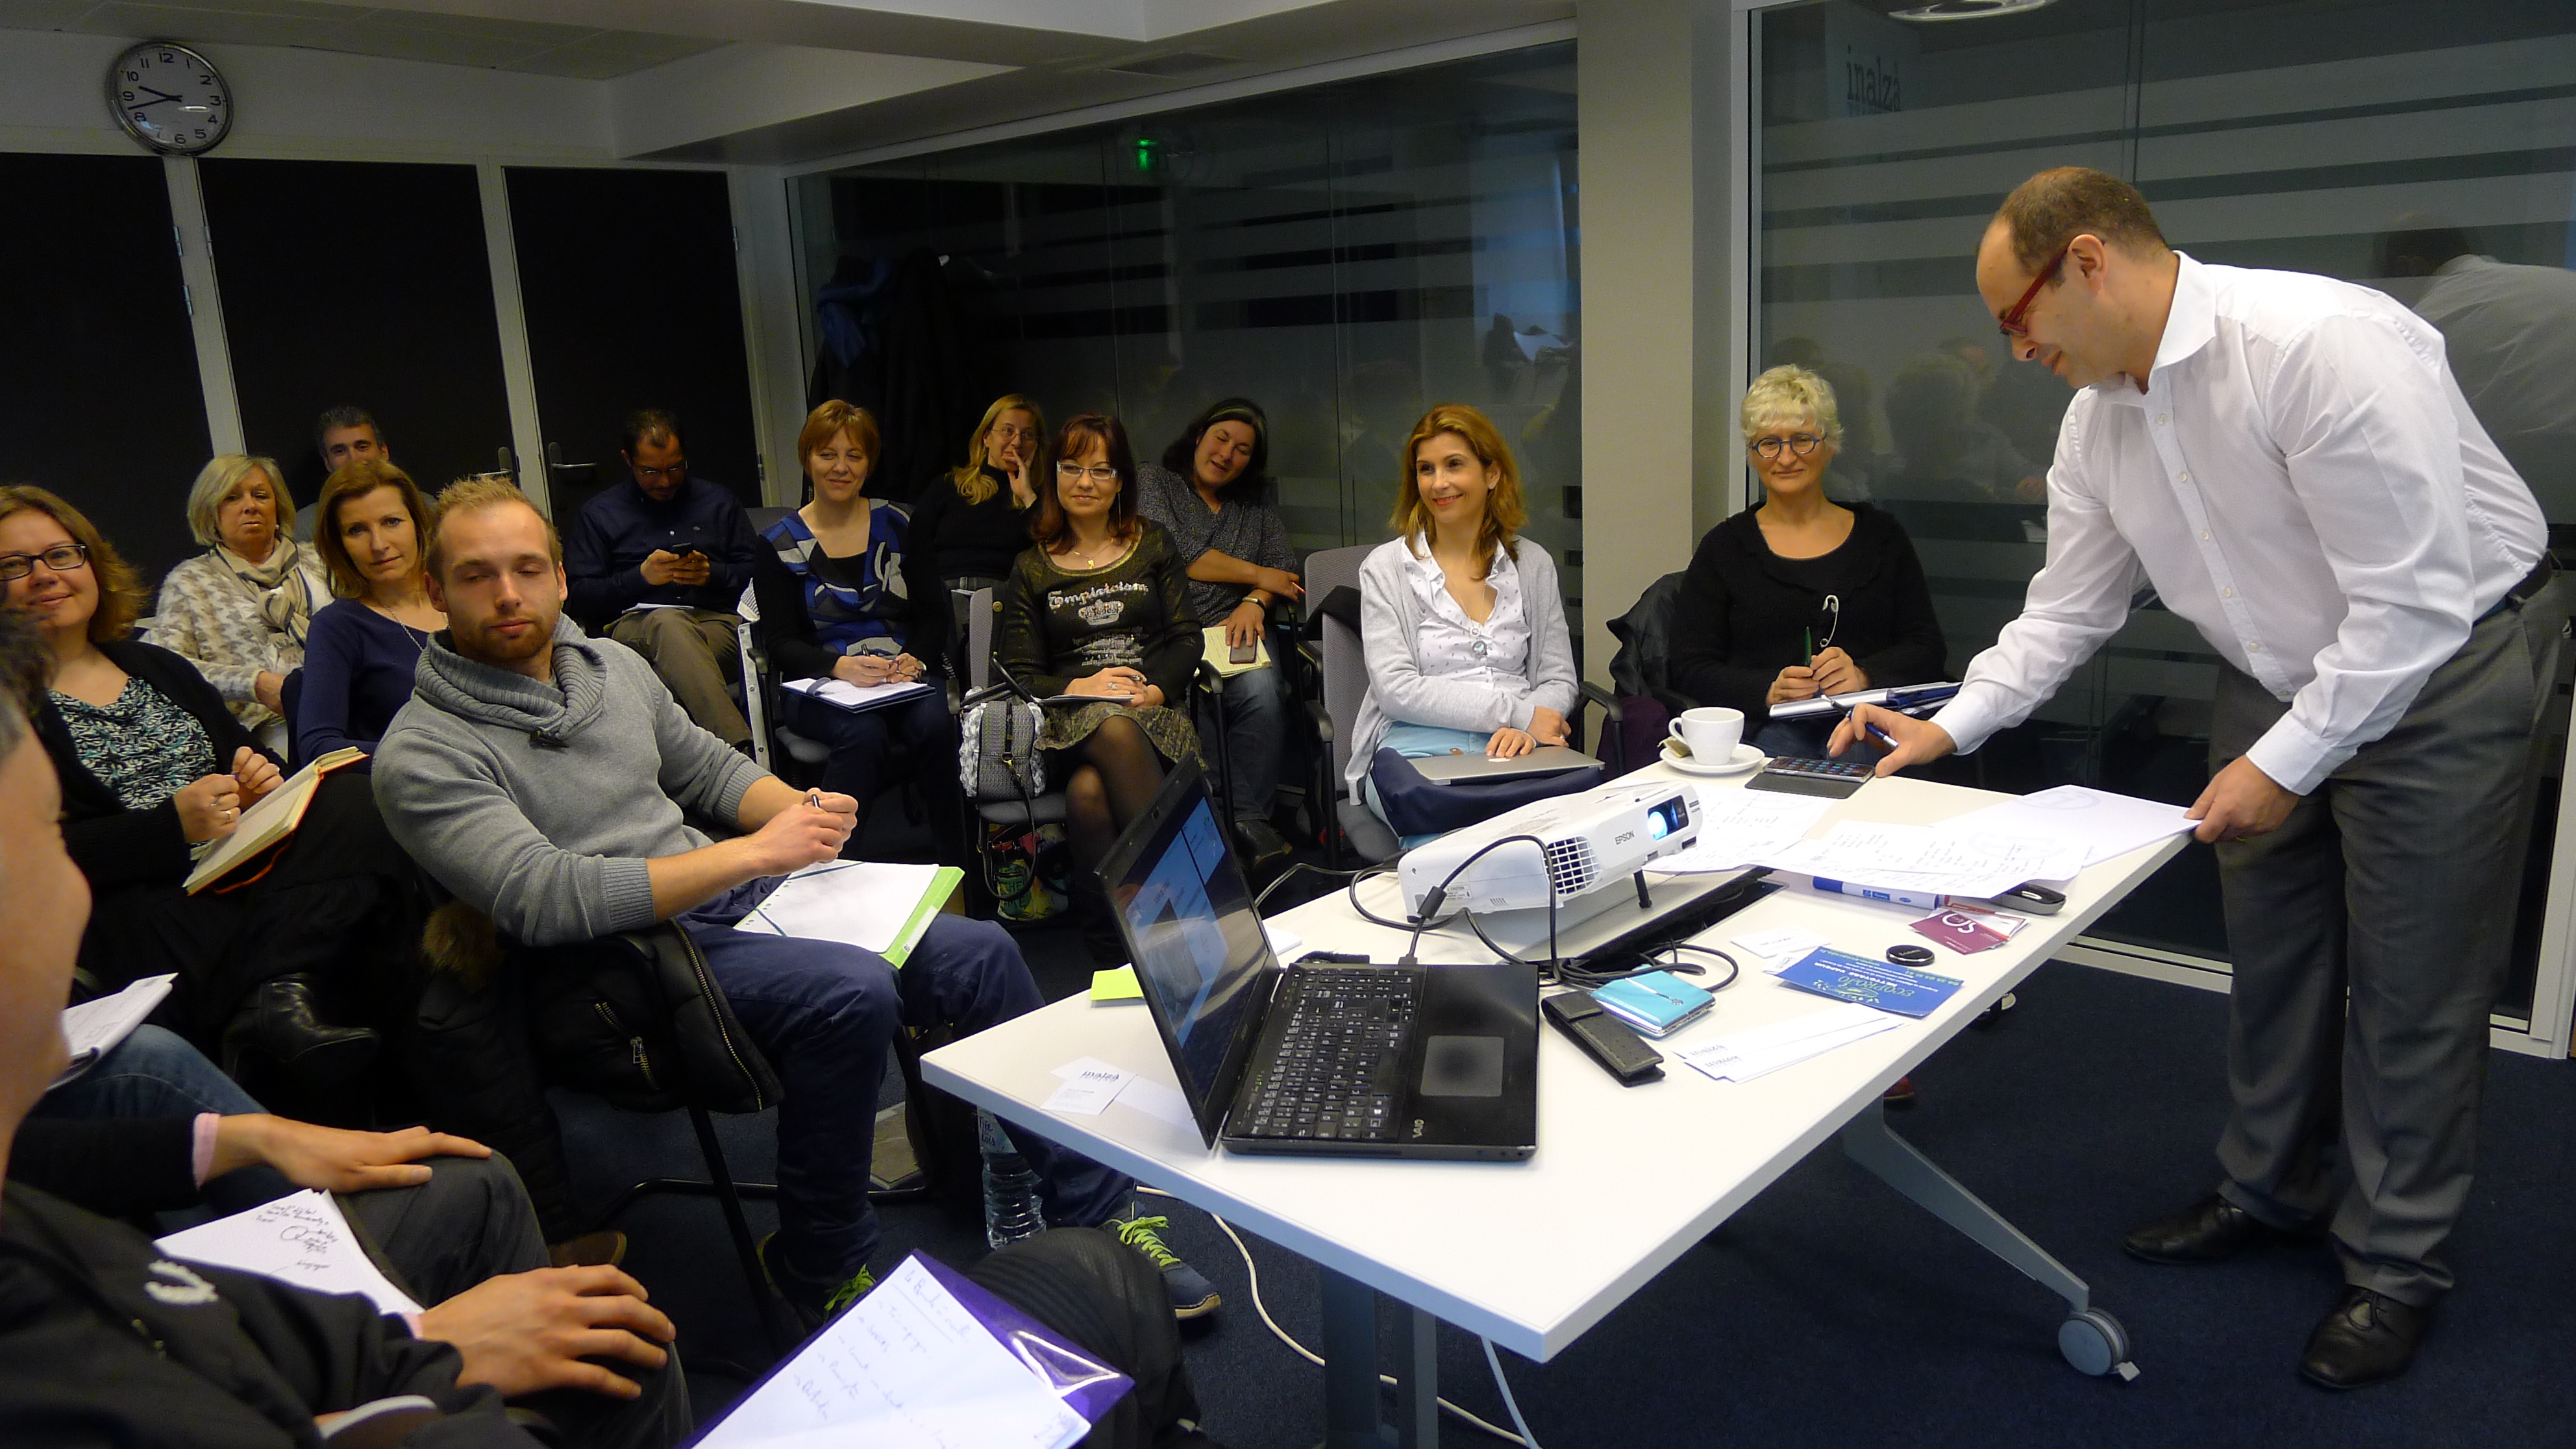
(1293, 869)
(1438, 896)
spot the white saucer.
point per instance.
(1745, 758)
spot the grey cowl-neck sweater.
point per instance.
(539, 804)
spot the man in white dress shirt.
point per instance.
(2288, 460)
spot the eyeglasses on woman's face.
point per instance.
(62, 558)
(1097, 472)
(1799, 445)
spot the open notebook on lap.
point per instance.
(1363, 1061)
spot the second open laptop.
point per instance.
(1360, 1061)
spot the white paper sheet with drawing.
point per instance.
(907, 1368)
(2098, 822)
(1759, 1051)
(1739, 827)
(300, 1239)
(1923, 858)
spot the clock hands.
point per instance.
(161, 95)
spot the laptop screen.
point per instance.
(1188, 919)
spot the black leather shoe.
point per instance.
(2370, 1338)
(281, 1025)
(2211, 1230)
(1260, 843)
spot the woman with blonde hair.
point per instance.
(372, 529)
(1799, 595)
(240, 611)
(966, 530)
(1463, 620)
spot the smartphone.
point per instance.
(1243, 654)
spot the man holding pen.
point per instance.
(2288, 460)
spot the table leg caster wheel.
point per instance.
(2095, 1343)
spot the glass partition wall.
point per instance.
(2312, 135)
(1343, 255)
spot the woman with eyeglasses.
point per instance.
(241, 610)
(1101, 608)
(154, 772)
(966, 532)
(1800, 595)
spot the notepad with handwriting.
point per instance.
(271, 820)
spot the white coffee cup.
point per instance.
(1712, 732)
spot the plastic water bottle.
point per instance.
(1010, 1189)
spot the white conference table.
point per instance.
(1484, 1246)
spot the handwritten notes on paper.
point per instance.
(2097, 822)
(908, 1367)
(1739, 827)
(300, 1239)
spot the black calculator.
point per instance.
(1833, 779)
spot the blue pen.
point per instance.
(1920, 900)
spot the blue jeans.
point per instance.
(861, 740)
(1256, 733)
(824, 1012)
(155, 1073)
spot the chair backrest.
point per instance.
(979, 637)
(755, 674)
(1328, 569)
(1345, 685)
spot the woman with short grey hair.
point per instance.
(239, 611)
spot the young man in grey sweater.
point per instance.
(542, 776)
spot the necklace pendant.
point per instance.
(1479, 648)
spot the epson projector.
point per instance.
(1588, 841)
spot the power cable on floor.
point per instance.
(1253, 1273)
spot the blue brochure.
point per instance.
(1845, 977)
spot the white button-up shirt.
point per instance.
(2302, 480)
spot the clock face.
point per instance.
(170, 98)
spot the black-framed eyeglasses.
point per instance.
(2010, 323)
(62, 558)
(1098, 472)
(676, 472)
(1798, 444)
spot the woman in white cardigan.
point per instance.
(239, 611)
(1463, 621)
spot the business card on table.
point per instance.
(1888, 987)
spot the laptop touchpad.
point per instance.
(1462, 1066)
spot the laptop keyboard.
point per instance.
(1336, 1074)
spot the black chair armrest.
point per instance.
(1612, 714)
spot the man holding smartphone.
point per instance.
(658, 563)
(2288, 459)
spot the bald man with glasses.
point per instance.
(2289, 461)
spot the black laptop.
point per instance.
(1346, 1061)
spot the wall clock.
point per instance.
(170, 98)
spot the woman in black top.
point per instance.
(1801, 595)
(966, 530)
(154, 771)
(836, 604)
(1101, 607)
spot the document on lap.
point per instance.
(869, 904)
(300, 1239)
(93, 1027)
(856, 697)
(927, 1360)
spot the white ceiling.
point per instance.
(796, 81)
(580, 52)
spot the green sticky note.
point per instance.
(1116, 984)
